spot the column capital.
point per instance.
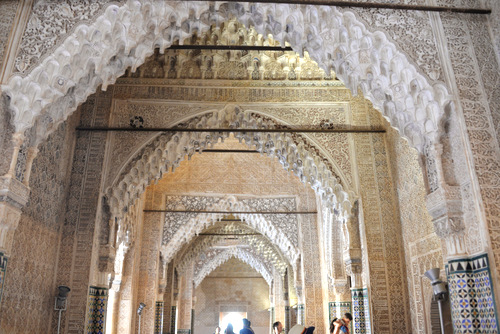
(354, 269)
(342, 288)
(13, 197)
(107, 254)
(13, 192)
(445, 207)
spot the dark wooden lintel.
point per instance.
(239, 212)
(231, 47)
(330, 129)
(372, 5)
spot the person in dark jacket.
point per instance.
(246, 327)
(229, 329)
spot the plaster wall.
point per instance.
(232, 286)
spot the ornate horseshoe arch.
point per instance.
(123, 36)
(167, 151)
(263, 248)
(188, 230)
(237, 253)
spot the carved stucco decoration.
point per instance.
(8, 9)
(192, 224)
(168, 150)
(230, 65)
(123, 36)
(410, 31)
(49, 20)
(233, 252)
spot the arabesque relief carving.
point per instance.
(386, 78)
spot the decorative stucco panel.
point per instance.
(8, 9)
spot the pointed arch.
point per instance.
(260, 245)
(189, 229)
(167, 151)
(234, 252)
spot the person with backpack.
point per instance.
(341, 326)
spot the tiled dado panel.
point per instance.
(159, 318)
(472, 300)
(98, 302)
(361, 311)
(338, 309)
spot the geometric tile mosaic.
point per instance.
(361, 314)
(3, 270)
(472, 299)
(159, 318)
(98, 300)
(338, 309)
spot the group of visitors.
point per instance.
(341, 326)
(337, 326)
(229, 329)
